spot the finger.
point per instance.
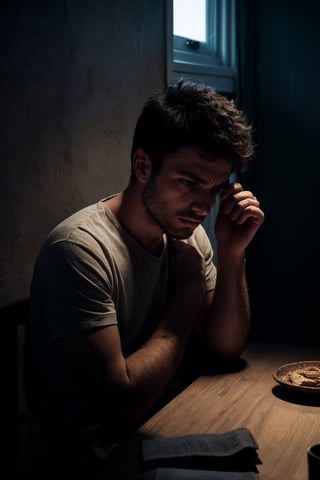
(179, 248)
(229, 203)
(230, 190)
(240, 206)
(253, 214)
(173, 243)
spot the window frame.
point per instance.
(215, 62)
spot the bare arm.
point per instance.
(137, 381)
(227, 320)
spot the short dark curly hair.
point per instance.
(193, 114)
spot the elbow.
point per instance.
(230, 349)
(130, 404)
(228, 344)
(228, 354)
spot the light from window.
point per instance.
(189, 19)
(203, 39)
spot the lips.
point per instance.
(191, 222)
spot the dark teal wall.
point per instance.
(285, 258)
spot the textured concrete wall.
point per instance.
(75, 75)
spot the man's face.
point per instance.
(183, 192)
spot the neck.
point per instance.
(131, 213)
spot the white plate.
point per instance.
(282, 375)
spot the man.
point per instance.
(122, 287)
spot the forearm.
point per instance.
(150, 368)
(227, 320)
(149, 372)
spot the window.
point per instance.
(201, 42)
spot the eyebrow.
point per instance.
(194, 177)
(202, 181)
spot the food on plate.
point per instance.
(306, 377)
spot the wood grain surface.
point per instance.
(284, 422)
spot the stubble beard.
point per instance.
(158, 212)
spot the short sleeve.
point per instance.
(76, 289)
(200, 240)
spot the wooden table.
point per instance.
(283, 422)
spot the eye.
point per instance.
(188, 183)
(219, 189)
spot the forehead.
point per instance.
(187, 161)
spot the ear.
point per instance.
(141, 165)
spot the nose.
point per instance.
(203, 203)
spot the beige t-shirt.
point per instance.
(91, 273)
